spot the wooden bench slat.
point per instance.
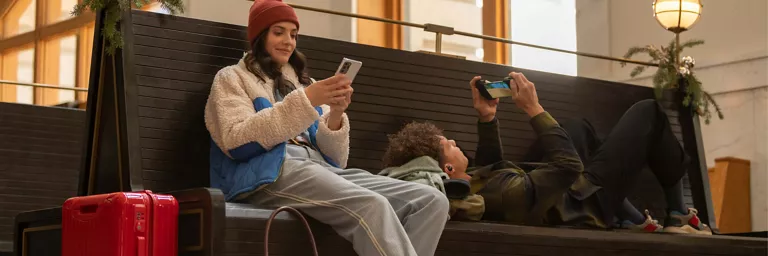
(45, 134)
(24, 125)
(152, 143)
(191, 67)
(39, 192)
(41, 111)
(52, 157)
(25, 206)
(188, 47)
(15, 198)
(163, 83)
(152, 50)
(170, 22)
(328, 67)
(32, 169)
(42, 120)
(169, 125)
(189, 37)
(173, 74)
(40, 145)
(191, 98)
(13, 184)
(34, 177)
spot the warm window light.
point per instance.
(677, 15)
(479, 53)
(479, 3)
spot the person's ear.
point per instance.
(448, 168)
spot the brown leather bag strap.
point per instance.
(298, 215)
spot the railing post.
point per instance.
(439, 32)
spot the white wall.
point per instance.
(732, 64)
(312, 23)
(546, 23)
(462, 15)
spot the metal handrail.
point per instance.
(45, 86)
(441, 31)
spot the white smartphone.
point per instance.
(349, 68)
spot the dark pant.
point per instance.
(641, 138)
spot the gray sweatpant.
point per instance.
(379, 215)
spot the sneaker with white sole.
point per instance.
(690, 223)
(649, 226)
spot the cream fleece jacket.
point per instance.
(233, 121)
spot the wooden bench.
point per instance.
(156, 140)
(39, 160)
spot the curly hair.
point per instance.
(416, 139)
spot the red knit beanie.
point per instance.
(264, 13)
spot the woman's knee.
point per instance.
(434, 199)
(374, 201)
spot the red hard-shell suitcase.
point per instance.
(120, 224)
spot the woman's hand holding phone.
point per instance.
(339, 105)
(332, 90)
(347, 68)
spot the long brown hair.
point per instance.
(258, 55)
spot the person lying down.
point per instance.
(575, 179)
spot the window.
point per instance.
(25, 67)
(550, 23)
(65, 12)
(67, 67)
(42, 43)
(20, 19)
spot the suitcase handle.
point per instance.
(85, 212)
(88, 209)
(298, 215)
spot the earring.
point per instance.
(450, 168)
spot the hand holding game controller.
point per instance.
(486, 108)
(525, 96)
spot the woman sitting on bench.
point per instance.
(560, 189)
(281, 139)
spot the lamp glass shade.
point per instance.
(677, 15)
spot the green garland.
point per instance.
(114, 13)
(668, 74)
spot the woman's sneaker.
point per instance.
(678, 223)
(649, 226)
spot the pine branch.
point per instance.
(637, 71)
(658, 81)
(633, 51)
(655, 53)
(124, 5)
(173, 6)
(113, 12)
(714, 103)
(81, 7)
(668, 76)
(691, 43)
(141, 3)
